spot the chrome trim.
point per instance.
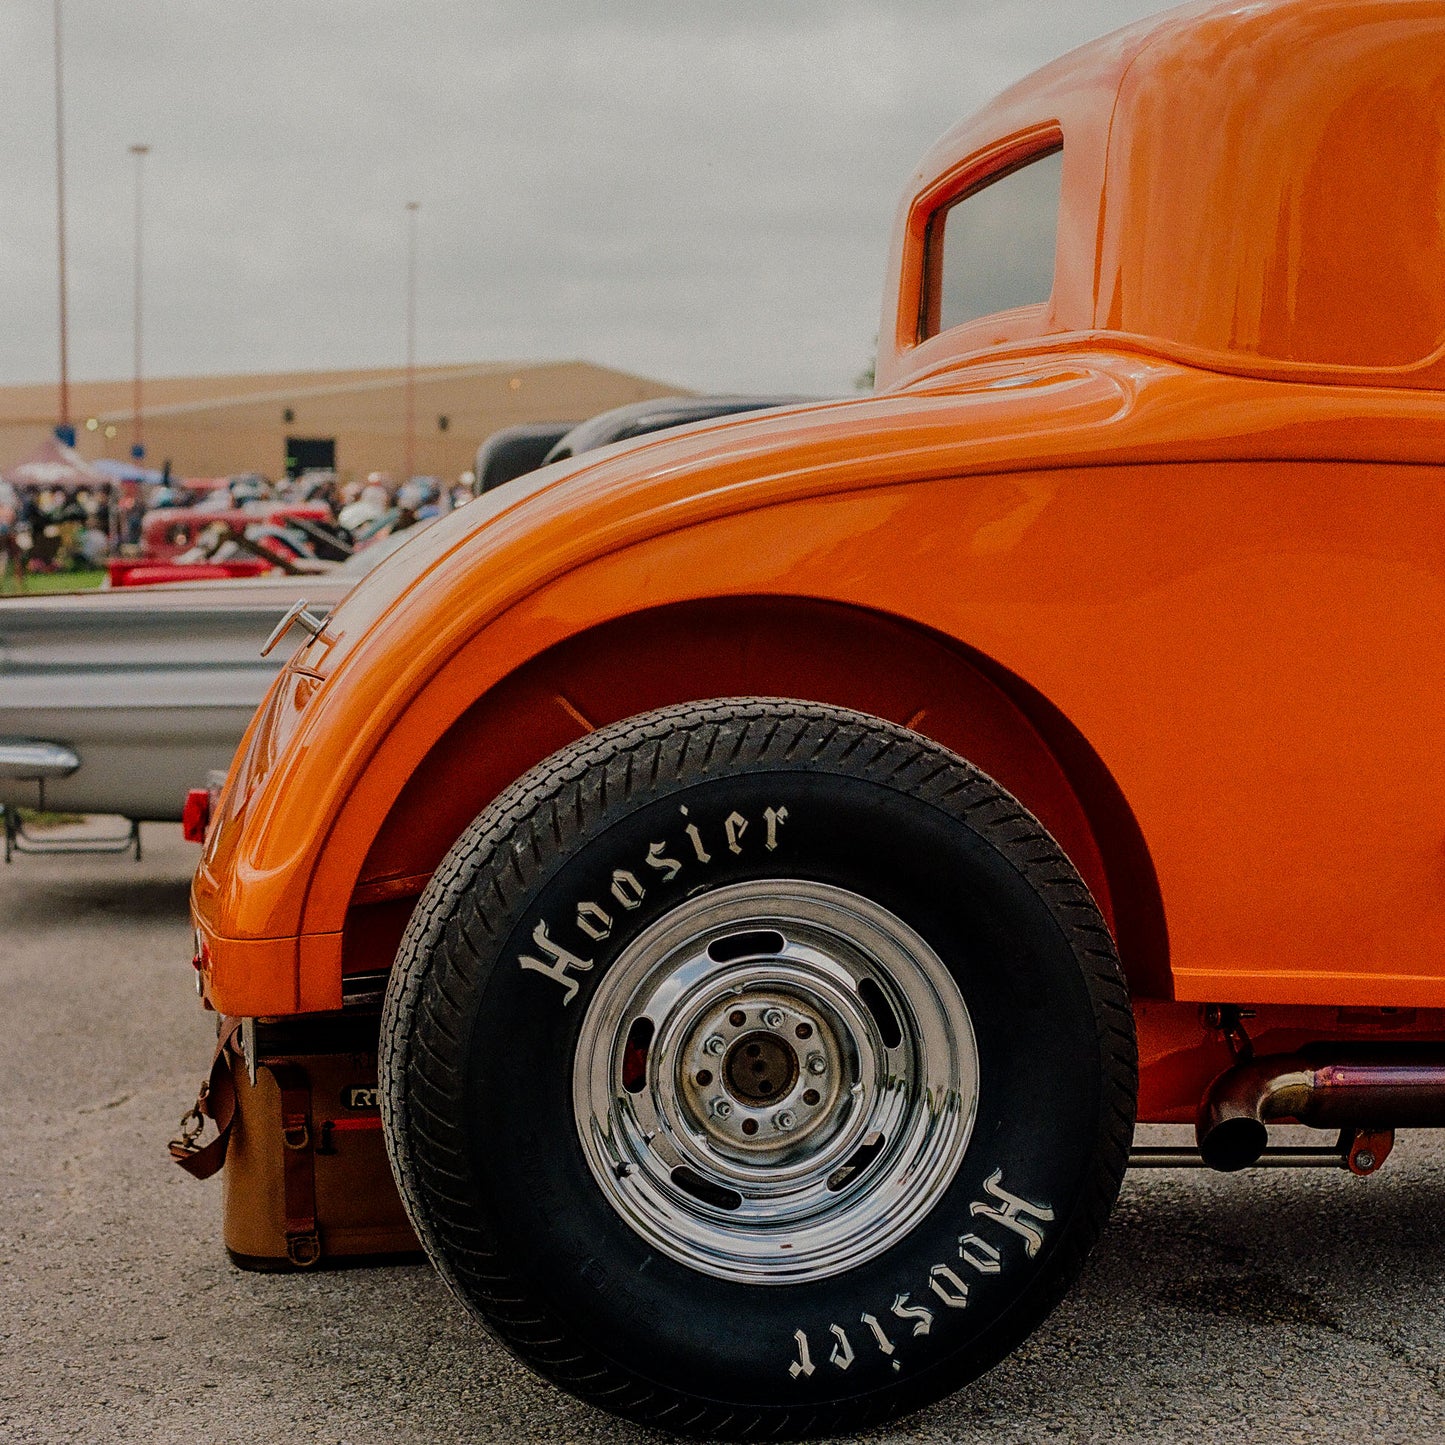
(837, 1151)
(24, 760)
(295, 613)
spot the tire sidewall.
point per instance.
(1035, 1138)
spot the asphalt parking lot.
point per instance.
(1279, 1306)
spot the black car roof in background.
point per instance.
(642, 417)
(515, 450)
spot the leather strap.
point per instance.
(215, 1101)
(298, 1164)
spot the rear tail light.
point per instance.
(196, 815)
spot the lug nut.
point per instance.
(714, 1044)
(720, 1108)
(783, 1120)
(773, 1018)
(817, 1064)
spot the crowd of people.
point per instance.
(60, 529)
(44, 529)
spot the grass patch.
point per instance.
(43, 582)
(33, 818)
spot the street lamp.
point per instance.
(412, 207)
(63, 429)
(137, 445)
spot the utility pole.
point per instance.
(409, 469)
(63, 430)
(137, 443)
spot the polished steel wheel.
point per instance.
(775, 1081)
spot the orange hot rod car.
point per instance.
(778, 833)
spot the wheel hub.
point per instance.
(775, 1081)
(762, 1070)
(760, 1067)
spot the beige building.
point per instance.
(352, 420)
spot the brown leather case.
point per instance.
(307, 1182)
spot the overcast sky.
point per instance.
(700, 192)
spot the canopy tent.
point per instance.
(53, 464)
(127, 472)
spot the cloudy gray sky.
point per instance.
(699, 192)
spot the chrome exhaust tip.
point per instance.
(1233, 1144)
(1364, 1088)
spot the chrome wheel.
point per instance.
(775, 1082)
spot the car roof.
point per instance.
(1289, 227)
(515, 450)
(642, 417)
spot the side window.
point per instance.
(993, 248)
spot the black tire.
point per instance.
(477, 1058)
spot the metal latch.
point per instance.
(296, 613)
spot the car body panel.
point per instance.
(137, 572)
(1054, 534)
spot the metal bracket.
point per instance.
(295, 613)
(248, 1048)
(1228, 1021)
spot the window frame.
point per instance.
(907, 355)
(930, 293)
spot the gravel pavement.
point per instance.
(1291, 1305)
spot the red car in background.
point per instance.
(168, 531)
(143, 571)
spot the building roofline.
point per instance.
(390, 378)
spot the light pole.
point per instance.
(412, 207)
(63, 429)
(137, 442)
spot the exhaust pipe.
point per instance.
(1326, 1087)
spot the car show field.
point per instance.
(1285, 1305)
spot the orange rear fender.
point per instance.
(751, 646)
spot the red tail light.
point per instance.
(196, 815)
